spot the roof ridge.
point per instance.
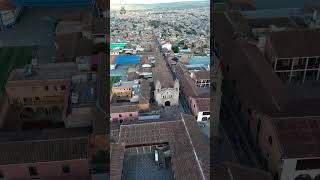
(44, 140)
(193, 149)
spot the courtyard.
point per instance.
(139, 164)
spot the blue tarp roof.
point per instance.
(127, 59)
(204, 60)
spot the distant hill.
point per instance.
(175, 5)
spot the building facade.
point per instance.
(299, 62)
(42, 93)
(167, 96)
(72, 169)
(124, 112)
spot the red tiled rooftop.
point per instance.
(203, 104)
(185, 149)
(296, 43)
(299, 137)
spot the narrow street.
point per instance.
(183, 105)
(230, 123)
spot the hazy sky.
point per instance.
(145, 1)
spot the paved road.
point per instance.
(184, 107)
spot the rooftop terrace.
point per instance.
(44, 72)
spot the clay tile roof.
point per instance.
(70, 46)
(121, 108)
(161, 73)
(203, 104)
(202, 75)
(298, 137)
(144, 96)
(296, 43)
(250, 70)
(132, 76)
(144, 69)
(43, 146)
(191, 154)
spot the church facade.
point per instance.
(167, 96)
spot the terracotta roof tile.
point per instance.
(185, 165)
(296, 43)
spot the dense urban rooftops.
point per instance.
(43, 145)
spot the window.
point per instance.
(270, 140)
(120, 115)
(56, 88)
(63, 87)
(33, 171)
(46, 88)
(66, 169)
(206, 113)
(130, 115)
(37, 98)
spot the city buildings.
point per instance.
(45, 154)
(271, 106)
(157, 135)
(166, 88)
(41, 92)
(54, 109)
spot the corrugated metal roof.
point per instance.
(116, 45)
(199, 60)
(127, 60)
